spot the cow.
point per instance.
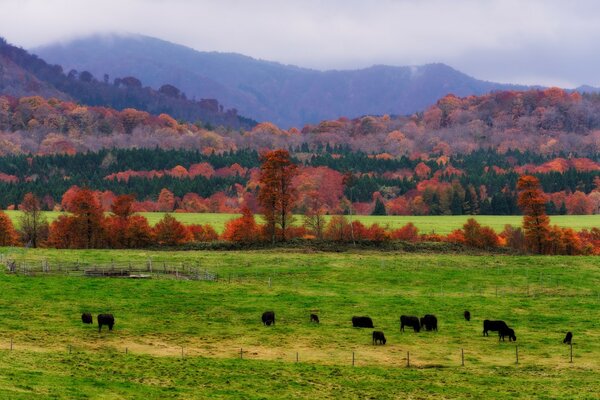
(467, 315)
(105, 319)
(268, 318)
(568, 338)
(507, 332)
(493, 326)
(314, 318)
(409, 320)
(362, 322)
(378, 336)
(429, 322)
(86, 318)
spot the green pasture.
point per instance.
(55, 356)
(442, 224)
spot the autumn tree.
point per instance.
(532, 202)
(314, 216)
(8, 236)
(166, 200)
(33, 222)
(276, 193)
(170, 232)
(243, 229)
(84, 228)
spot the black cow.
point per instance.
(493, 326)
(507, 332)
(467, 315)
(105, 319)
(429, 322)
(362, 322)
(314, 318)
(409, 320)
(568, 338)
(268, 318)
(378, 336)
(86, 318)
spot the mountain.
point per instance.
(267, 91)
(24, 74)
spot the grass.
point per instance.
(442, 224)
(540, 297)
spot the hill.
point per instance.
(268, 91)
(24, 74)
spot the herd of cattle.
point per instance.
(428, 322)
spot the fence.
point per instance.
(408, 359)
(148, 270)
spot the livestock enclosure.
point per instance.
(185, 338)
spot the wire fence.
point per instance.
(147, 270)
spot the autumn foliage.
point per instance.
(8, 235)
(536, 224)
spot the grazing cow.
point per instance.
(409, 320)
(467, 315)
(105, 319)
(314, 318)
(568, 338)
(429, 322)
(268, 318)
(493, 326)
(378, 336)
(362, 322)
(86, 318)
(507, 332)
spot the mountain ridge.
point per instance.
(286, 95)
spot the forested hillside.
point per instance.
(336, 179)
(24, 74)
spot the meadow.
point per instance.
(442, 224)
(178, 338)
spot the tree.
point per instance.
(379, 207)
(166, 200)
(8, 236)
(532, 202)
(33, 222)
(276, 194)
(243, 229)
(170, 232)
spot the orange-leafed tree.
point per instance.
(243, 229)
(8, 235)
(276, 194)
(33, 222)
(203, 233)
(479, 236)
(84, 228)
(170, 232)
(532, 202)
(166, 200)
(408, 232)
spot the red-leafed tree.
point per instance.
(276, 193)
(166, 200)
(536, 224)
(170, 232)
(8, 235)
(203, 233)
(243, 229)
(408, 232)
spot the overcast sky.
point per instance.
(551, 42)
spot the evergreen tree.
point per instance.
(379, 208)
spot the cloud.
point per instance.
(534, 41)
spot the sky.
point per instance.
(546, 42)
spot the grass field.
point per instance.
(540, 297)
(426, 224)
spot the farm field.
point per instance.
(540, 297)
(442, 224)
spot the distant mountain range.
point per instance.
(263, 90)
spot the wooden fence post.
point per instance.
(517, 352)
(571, 346)
(241, 354)
(353, 359)
(462, 356)
(407, 359)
